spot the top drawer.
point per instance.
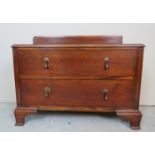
(75, 62)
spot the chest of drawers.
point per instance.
(80, 74)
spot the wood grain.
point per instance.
(76, 75)
(76, 62)
(78, 40)
(84, 93)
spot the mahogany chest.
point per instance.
(80, 74)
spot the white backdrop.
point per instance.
(23, 33)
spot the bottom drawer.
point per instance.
(77, 93)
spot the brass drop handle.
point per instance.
(47, 91)
(105, 94)
(46, 63)
(106, 63)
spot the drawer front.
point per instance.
(76, 93)
(76, 62)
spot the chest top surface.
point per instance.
(78, 41)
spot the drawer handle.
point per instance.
(46, 63)
(106, 63)
(105, 94)
(47, 91)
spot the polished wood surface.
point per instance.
(80, 73)
(77, 93)
(122, 46)
(78, 62)
(78, 40)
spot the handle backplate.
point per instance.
(47, 91)
(46, 63)
(105, 94)
(106, 63)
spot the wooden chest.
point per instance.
(78, 73)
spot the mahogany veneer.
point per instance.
(78, 73)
